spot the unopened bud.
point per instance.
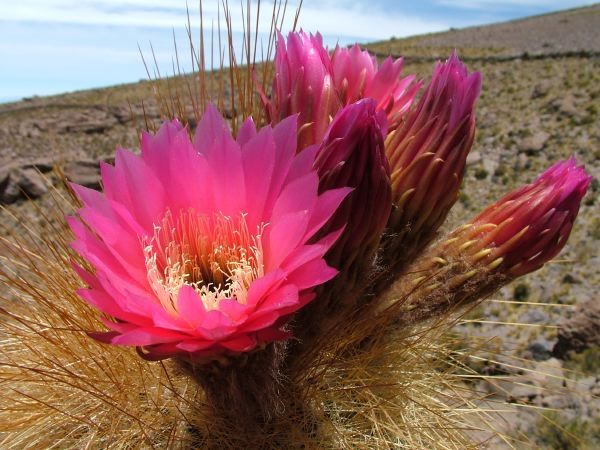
(515, 236)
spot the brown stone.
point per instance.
(86, 173)
(579, 332)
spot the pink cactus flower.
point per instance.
(303, 84)
(356, 75)
(204, 248)
(316, 85)
(530, 225)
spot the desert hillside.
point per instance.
(540, 102)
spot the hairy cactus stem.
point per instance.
(247, 388)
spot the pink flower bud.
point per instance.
(514, 236)
(352, 155)
(356, 75)
(529, 226)
(314, 85)
(428, 150)
(303, 85)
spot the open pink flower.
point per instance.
(203, 248)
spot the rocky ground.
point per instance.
(540, 103)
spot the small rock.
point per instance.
(28, 129)
(534, 143)
(533, 316)
(581, 331)
(12, 191)
(587, 384)
(5, 180)
(490, 165)
(90, 121)
(473, 158)
(21, 183)
(539, 350)
(123, 114)
(541, 89)
(32, 183)
(549, 375)
(43, 165)
(85, 173)
(567, 106)
(522, 161)
(523, 393)
(561, 401)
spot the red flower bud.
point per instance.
(514, 236)
(352, 155)
(529, 226)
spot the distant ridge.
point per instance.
(572, 32)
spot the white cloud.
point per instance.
(334, 18)
(363, 23)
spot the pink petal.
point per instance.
(282, 237)
(194, 345)
(258, 158)
(326, 205)
(285, 297)
(246, 132)
(212, 130)
(262, 287)
(147, 336)
(242, 343)
(142, 192)
(312, 274)
(190, 307)
(300, 194)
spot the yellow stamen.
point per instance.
(215, 254)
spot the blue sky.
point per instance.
(54, 46)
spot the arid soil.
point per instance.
(540, 103)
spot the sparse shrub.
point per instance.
(554, 431)
(466, 200)
(586, 362)
(595, 229)
(500, 171)
(525, 132)
(521, 292)
(481, 173)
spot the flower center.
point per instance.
(215, 254)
